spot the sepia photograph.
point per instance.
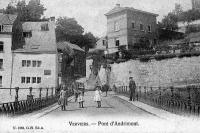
(99, 66)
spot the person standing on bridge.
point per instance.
(75, 89)
(97, 96)
(63, 98)
(132, 87)
(81, 99)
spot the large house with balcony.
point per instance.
(126, 26)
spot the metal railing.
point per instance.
(30, 104)
(180, 100)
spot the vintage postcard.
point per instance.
(99, 66)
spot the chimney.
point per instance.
(52, 19)
(118, 5)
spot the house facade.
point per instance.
(195, 4)
(7, 25)
(28, 53)
(127, 26)
(36, 64)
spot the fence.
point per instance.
(30, 104)
(180, 100)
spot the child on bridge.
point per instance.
(97, 96)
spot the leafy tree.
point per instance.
(170, 22)
(35, 10)
(68, 29)
(32, 11)
(90, 39)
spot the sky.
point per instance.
(90, 13)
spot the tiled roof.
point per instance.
(119, 9)
(63, 45)
(7, 19)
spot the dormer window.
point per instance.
(27, 34)
(44, 27)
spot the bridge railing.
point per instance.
(30, 104)
(180, 100)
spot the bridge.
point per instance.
(151, 111)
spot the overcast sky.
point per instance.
(90, 13)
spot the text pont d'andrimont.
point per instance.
(101, 123)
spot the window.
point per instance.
(149, 28)
(33, 79)
(133, 25)
(117, 27)
(1, 81)
(1, 46)
(28, 63)
(117, 42)
(28, 80)
(23, 80)
(103, 42)
(1, 28)
(47, 72)
(44, 27)
(39, 63)
(1, 63)
(38, 80)
(34, 63)
(27, 34)
(23, 63)
(141, 27)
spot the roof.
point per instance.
(7, 19)
(67, 45)
(120, 9)
(40, 40)
(21, 50)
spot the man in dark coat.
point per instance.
(132, 88)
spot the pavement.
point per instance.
(115, 109)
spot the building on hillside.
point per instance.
(195, 4)
(10, 38)
(127, 26)
(72, 62)
(102, 43)
(183, 26)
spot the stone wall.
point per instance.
(176, 71)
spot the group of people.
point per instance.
(78, 95)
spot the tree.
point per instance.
(35, 10)
(90, 40)
(32, 11)
(68, 29)
(169, 21)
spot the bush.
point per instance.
(162, 57)
(145, 58)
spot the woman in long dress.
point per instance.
(97, 96)
(63, 98)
